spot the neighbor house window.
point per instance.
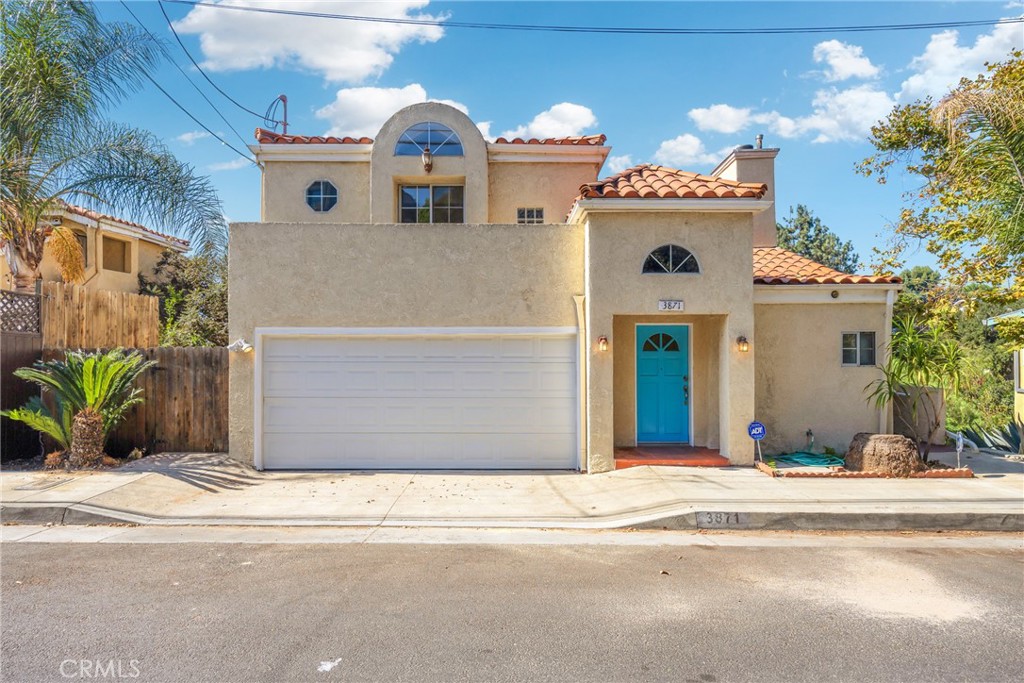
(116, 255)
(321, 196)
(858, 348)
(431, 204)
(530, 216)
(83, 242)
(671, 258)
(440, 139)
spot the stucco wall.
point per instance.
(801, 382)
(1018, 394)
(616, 246)
(306, 275)
(551, 186)
(285, 184)
(704, 401)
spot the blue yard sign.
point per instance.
(756, 431)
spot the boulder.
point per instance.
(892, 454)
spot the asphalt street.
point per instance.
(507, 612)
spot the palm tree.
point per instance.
(61, 67)
(92, 394)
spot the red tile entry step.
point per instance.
(677, 456)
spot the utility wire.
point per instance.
(201, 93)
(208, 79)
(442, 23)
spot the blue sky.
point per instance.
(677, 100)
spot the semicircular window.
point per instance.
(661, 342)
(671, 258)
(440, 139)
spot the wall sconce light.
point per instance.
(602, 343)
(742, 344)
(239, 345)
(428, 159)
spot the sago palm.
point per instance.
(60, 68)
(92, 392)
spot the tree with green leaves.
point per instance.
(967, 149)
(193, 292)
(62, 67)
(804, 233)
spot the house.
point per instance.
(428, 299)
(116, 251)
(1018, 368)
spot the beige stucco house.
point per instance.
(429, 299)
(116, 251)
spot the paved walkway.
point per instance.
(209, 489)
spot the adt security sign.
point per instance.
(757, 431)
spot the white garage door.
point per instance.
(480, 401)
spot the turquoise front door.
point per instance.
(662, 384)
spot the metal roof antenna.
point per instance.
(268, 118)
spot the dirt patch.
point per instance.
(891, 454)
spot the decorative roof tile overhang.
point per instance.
(576, 149)
(784, 277)
(649, 187)
(116, 225)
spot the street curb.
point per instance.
(84, 514)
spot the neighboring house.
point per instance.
(428, 299)
(116, 251)
(1018, 369)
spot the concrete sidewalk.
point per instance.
(209, 489)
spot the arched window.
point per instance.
(442, 140)
(671, 258)
(661, 342)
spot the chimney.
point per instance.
(754, 164)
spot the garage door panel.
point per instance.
(345, 415)
(420, 402)
(430, 451)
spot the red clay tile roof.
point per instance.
(96, 216)
(596, 140)
(662, 182)
(778, 266)
(269, 137)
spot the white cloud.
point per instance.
(362, 111)
(485, 129)
(944, 61)
(342, 51)
(844, 61)
(614, 164)
(233, 165)
(721, 118)
(845, 114)
(562, 120)
(192, 137)
(685, 150)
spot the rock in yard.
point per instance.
(891, 454)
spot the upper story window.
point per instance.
(671, 258)
(442, 141)
(431, 204)
(116, 255)
(529, 216)
(321, 195)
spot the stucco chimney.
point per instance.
(754, 164)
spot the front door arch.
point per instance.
(663, 381)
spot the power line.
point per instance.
(201, 93)
(204, 74)
(443, 23)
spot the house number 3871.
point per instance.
(670, 305)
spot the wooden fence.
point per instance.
(186, 403)
(74, 317)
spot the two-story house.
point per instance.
(116, 251)
(428, 299)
